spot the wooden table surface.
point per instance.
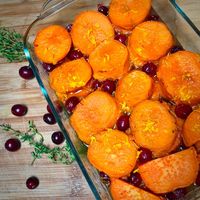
(56, 181)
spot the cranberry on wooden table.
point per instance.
(49, 118)
(57, 137)
(12, 144)
(19, 110)
(32, 182)
(26, 72)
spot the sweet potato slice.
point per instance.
(121, 190)
(94, 113)
(133, 88)
(52, 44)
(89, 29)
(180, 75)
(109, 60)
(153, 127)
(191, 128)
(148, 45)
(168, 173)
(70, 76)
(128, 13)
(111, 152)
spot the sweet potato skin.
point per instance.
(168, 173)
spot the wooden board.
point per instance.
(56, 181)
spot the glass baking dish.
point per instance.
(63, 12)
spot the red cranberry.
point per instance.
(104, 177)
(183, 110)
(96, 84)
(74, 54)
(123, 123)
(32, 182)
(71, 103)
(145, 155)
(103, 9)
(135, 179)
(57, 106)
(12, 144)
(57, 137)
(174, 49)
(121, 38)
(49, 118)
(26, 72)
(19, 110)
(177, 194)
(153, 18)
(150, 69)
(197, 182)
(69, 27)
(48, 67)
(109, 86)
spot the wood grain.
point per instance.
(57, 181)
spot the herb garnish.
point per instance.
(35, 139)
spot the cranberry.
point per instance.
(177, 194)
(103, 9)
(135, 179)
(109, 86)
(71, 103)
(96, 84)
(48, 67)
(123, 123)
(26, 72)
(174, 49)
(69, 27)
(104, 177)
(153, 18)
(197, 182)
(32, 182)
(121, 38)
(74, 54)
(58, 108)
(12, 144)
(183, 110)
(145, 155)
(49, 118)
(19, 110)
(150, 69)
(57, 137)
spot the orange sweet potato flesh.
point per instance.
(153, 127)
(133, 88)
(168, 173)
(70, 76)
(96, 112)
(121, 190)
(110, 60)
(128, 13)
(111, 152)
(89, 29)
(180, 75)
(52, 44)
(191, 128)
(148, 45)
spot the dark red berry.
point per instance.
(174, 49)
(153, 18)
(123, 123)
(103, 9)
(135, 179)
(69, 27)
(48, 67)
(96, 84)
(26, 72)
(12, 144)
(104, 177)
(145, 155)
(108, 86)
(197, 182)
(121, 38)
(183, 110)
(57, 137)
(177, 194)
(19, 110)
(71, 103)
(150, 69)
(58, 108)
(32, 182)
(74, 54)
(49, 118)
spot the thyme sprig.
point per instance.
(36, 140)
(11, 45)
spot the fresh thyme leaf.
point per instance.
(11, 45)
(35, 139)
